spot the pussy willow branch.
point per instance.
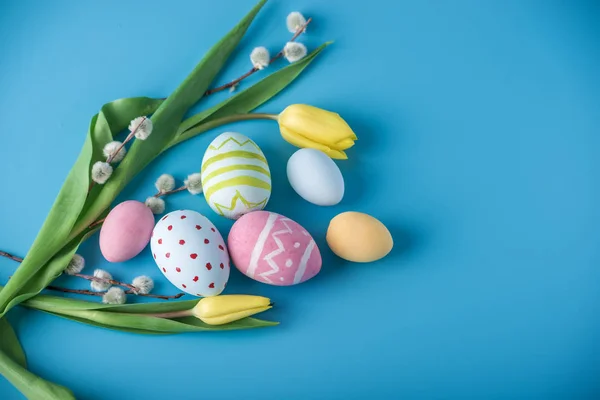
(159, 194)
(194, 130)
(101, 280)
(92, 293)
(96, 223)
(8, 255)
(179, 189)
(114, 154)
(132, 289)
(253, 70)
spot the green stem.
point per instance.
(203, 127)
(172, 314)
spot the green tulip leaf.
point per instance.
(51, 303)
(103, 315)
(10, 344)
(131, 318)
(99, 325)
(141, 322)
(64, 223)
(246, 323)
(30, 385)
(51, 270)
(167, 118)
(114, 117)
(157, 307)
(246, 100)
(38, 270)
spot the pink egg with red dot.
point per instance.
(187, 245)
(273, 249)
(126, 231)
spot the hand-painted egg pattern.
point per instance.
(273, 249)
(191, 253)
(235, 176)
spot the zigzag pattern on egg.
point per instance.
(235, 176)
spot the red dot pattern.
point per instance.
(193, 256)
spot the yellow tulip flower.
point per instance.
(219, 310)
(307, 126)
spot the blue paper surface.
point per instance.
(478, 125)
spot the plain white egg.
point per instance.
(315, 177)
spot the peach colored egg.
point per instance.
(126, 231)
(273, 249)
(359, 237)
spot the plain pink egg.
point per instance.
(273, 249)
(126, 231)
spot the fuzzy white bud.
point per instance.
(294, 51)
(295, 21)
(194, 183)
(142, 127)
(260, 57)
(101, 171)
(110, 150)
(165, 183)
(144, 284)
(114, 295)
(155, 204)
(76, 265)
(100, 286)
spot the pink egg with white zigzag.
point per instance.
(273, 249)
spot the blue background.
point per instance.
(479, 135)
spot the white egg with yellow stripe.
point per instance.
(235, 176)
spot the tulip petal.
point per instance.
(300, 141)
(218, 306)
(227, 318)
(337, 154)
(344, 144)
(316, 124)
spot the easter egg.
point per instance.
(315, 177)
(235, 176)
(273, 249)
(126, 231)
(358, 237)
(191, 253)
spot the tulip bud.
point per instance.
(219, 310)
(311, 127)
